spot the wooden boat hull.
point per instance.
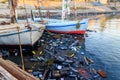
(27, 37)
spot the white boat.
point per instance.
(22, 32)
(9, 34)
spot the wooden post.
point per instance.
(18, 28)
(13, 5)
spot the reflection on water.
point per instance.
(104, 45)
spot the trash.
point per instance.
(74, 70)
(86, 61)
(56, 73)
(4, 53)
(90, 60)
(73, 44)
(40, 58)
(102, 73)
(64, 72)
(68, 61)
(36, 73)
(40, 75)
(62, 57)
(34, 59)
(72, 55)
(85, 74)
(59, 67)
(63, 47)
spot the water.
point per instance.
(104, 45)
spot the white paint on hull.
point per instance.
(27, 37)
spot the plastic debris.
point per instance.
(63, 56)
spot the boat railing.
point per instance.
(4, 29)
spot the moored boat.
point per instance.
(65, 26)
(9, 34)
(68, 27)
(21, 32)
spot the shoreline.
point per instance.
(83, 9)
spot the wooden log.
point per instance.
(16, 71)
(12, 70)
(5, 74)
(20, 70)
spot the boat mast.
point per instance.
(75, 10)
(13, 5)
(40, 13)
(32, 16)
(65, 8)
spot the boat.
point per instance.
(15, 33)
(66, 26)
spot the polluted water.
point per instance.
(61, 57)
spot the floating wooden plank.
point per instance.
(102, 73)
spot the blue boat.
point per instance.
(65, 26)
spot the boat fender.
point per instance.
(78, 25)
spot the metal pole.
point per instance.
(18, 28)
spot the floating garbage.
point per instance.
(102, 73)
(59, 67)
(63, 57)
(34, 59)
(56, 73)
